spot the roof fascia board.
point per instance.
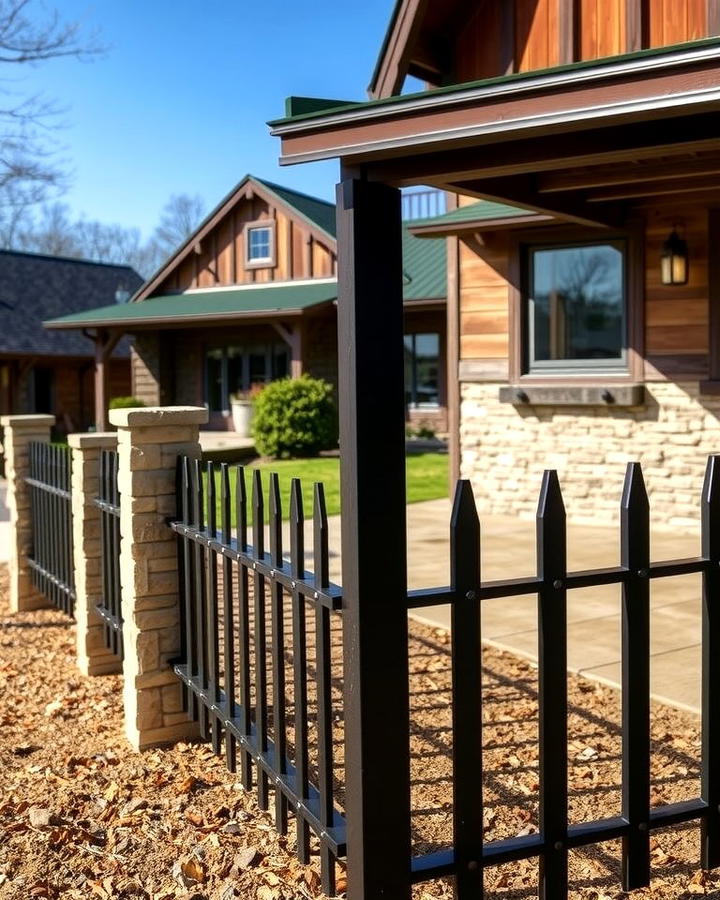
(505, 86)
(610, 113)
(394, 60)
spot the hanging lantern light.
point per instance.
(674, 260)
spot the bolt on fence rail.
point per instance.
(110, 608)
(235, 599)
(51, 559)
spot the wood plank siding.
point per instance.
(527, 35)
(219, 258)
(675, 332)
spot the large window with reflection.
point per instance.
(422, 370)
(576, 307)
(236, 369)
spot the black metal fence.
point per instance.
(237, 598)
(556, 837)
(257, 656)
(110, 609)
(51, 557)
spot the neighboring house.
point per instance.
(44, 372)
(581, 139)
(251, 297)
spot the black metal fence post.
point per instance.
(635, 542)
(372, 476)
(710, 787)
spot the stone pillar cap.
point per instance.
(31, 421)
(154, 416)
(92, 440)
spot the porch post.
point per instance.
(372, 478)
(104, 345)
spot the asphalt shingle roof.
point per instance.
(34, 288)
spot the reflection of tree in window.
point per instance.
(422, 369)
(577, 305)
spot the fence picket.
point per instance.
(199, 596)
(710, 777)
(297, 557)
(323, 665)
(467, 693)
(243, 624)
(635, 543)
(552, 688)
(228, 619)
(261, 700)
(211, 598)
(278, 651)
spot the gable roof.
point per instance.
(424, 278)
(318, 214)
(35, 287)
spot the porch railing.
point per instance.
(51, 559)
(237, 601)
(110, 609)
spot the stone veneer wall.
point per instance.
(505, 448)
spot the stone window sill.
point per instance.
(612, 395)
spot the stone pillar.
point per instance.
(149, 441)
(19, 432)
(93, 657)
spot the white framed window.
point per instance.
(259, 245)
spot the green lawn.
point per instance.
(427, 479)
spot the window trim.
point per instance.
(569, 366)
(267, 262)
(634, 236)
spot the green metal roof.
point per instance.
(298, 109)
(318, 212)
(209, 305)
(474, 212)
(424, 268)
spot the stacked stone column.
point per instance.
(93, 657)
(19, 432)
(149, 442)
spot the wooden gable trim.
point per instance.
(246, 189)
(394, 61)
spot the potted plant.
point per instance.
(241, 405)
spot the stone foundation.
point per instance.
(505, 448)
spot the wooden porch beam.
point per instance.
(603, 176)
(714, 296)
(293, 337)
(652, 189)
(521, 191)
(647, 140)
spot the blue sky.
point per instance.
(179, 102)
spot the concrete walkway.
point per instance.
(508, 551)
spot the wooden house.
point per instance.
(43, 372)
(580, 139)
(251, 297)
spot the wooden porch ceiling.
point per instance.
(592, 178)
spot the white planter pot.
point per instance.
(242, 413)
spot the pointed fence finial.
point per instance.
(297, 529)
(321, 555)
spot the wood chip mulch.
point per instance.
(83, 816)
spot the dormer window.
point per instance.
(260, 245)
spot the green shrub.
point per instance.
(125, 403)
(295, 417)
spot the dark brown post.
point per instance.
(104, 345)
(713, 297)
(372, 478)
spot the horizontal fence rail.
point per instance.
(469, 854)
(257, 661)
(108, 502)
(51, 558)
